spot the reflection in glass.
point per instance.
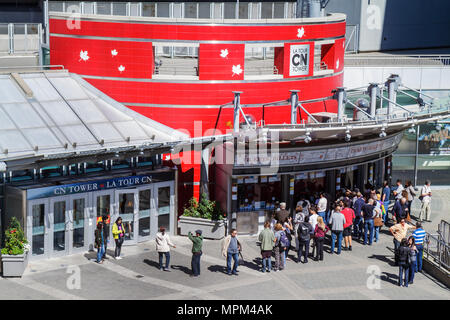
(103, 205)
(126, 211)
(144, 212)
(59, 226)
(38, 212)
(78, 223)
(164, 208)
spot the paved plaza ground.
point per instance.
(137, 276)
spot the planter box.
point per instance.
(14, 265)
(210, 229)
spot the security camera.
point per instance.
(348, 137)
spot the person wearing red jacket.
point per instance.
(349, 218)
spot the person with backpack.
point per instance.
(281, 244)
(298, 218)
(100, 242)
(337, 221)
(268, 241)
(412, 259)
(163, 245)
(319, 237)
(399, 232)
(404, 253)
(304, 237)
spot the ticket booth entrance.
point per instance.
(58, 225)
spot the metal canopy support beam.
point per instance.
(294, 105)
(373, 92)
(237, 108)
(392, 85)
(340, 98)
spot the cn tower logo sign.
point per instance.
(299, 60)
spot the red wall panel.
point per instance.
(103, 57)
(211, 32)
(339, 50)
(217, 61)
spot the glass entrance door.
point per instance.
(78, 235)
(144, 213)
(103, 202)
(59, 229)
(127, 209)
(164, 205)
(38, 228)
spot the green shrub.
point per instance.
(15, 242)
(205, 209)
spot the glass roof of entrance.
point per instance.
(46, 113)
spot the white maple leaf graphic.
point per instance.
(337, 64)
(237, 70)
(84, 55)
(114, 52)
(301, 32)
(121, 68)
(224, 53)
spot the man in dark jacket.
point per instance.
(400, 209)
(358, 223)
(105, 233)
(367, 210)
(304, 232)
(197, 243)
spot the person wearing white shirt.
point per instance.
(425, 195)
(163, 244)
(322, 207)
(398, 192)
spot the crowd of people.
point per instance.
(354, 216)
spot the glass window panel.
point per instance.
(103, 206)
(38, 213)
(106, 131)
(78, 134)
(73, 6)
(9, 92)
(55, 6)
(217, 10)
(5, 122)
(164, 200)
(88, 8)
(19, 28)
(134, 9)
(204, 10)
(162, 9)
(119, 9)
(13, 141)
(61, 111)
(42, 89)
(41, 137)
(243, 10)
(87, 111)
(291, 6)
(164, 221)
(144, 212)
(59, 226)
(149, 9)
(254, 12)
(190, 10)
(24, 116)
(266, 10)
(177, 10)
(434, 139)
(230, 10)
(68, 88)
(78, 223)
(131, 129)
(126, 212)
(103, 8)
(278, 11)
(110, 112)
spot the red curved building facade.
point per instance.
(117, 55)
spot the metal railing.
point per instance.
(351, 38)
(437, 250)
(397, 60)
(444, 231)
(20, 37)
(176, 71)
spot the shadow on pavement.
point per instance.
(186, 270)
(218, 268)
(152, 263)
(382, 258)
(390, 277)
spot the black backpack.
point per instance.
(303, 232)
(403, 255)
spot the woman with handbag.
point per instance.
(118, 234)
(377, 220)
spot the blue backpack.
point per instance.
(284, 240)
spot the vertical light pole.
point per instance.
(236, 102)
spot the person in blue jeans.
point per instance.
(385, 199)
(337, 221)
(419, 236)
(231, 248)
(403, 263)
(368, 214)
(413, 259)
(100, 242)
